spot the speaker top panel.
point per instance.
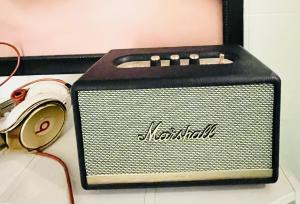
(224, 64)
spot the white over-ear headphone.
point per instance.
(37, 121)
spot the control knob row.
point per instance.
(174, 60)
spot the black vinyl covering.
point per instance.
(245, 69)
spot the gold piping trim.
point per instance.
(182, 176)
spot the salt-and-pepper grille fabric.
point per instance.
(112, 120)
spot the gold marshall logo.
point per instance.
(152, 133)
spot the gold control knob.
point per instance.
(175, 60)
(194, 59)
(155, 60)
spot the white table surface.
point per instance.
(28, 178)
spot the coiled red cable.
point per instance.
(18, 61)
(62, 163)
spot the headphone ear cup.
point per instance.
(42, 126)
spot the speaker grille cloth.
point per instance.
(112, 119)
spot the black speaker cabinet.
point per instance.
(177, 116)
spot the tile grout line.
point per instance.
(17, 178)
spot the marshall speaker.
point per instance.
(177, 116)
